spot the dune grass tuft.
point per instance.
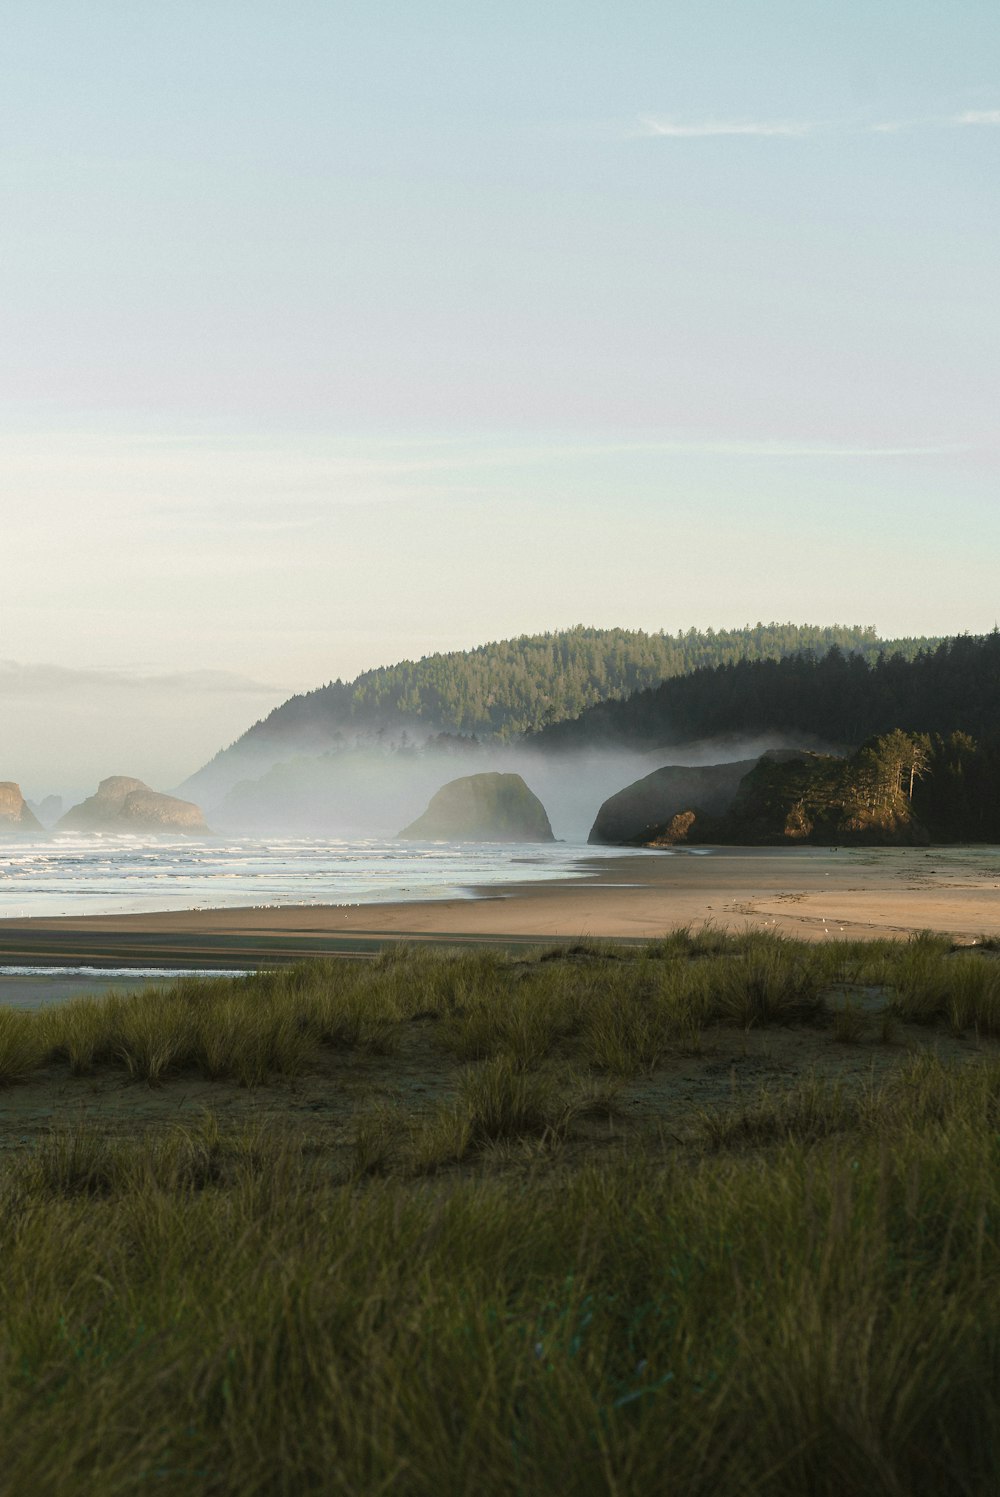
(767, 984)
(809, 1110)
(22, 1046)
(497, 1102)
(849, 1023)
(621, 1011)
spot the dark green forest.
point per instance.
(943, 701)
(839, 697)
(509, 687)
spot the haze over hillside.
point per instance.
(502, 690)
(362, 757)
(938, 713)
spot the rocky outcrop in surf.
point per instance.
(16, 817)
(663, 807)
(123, 804)
(826, 799)
(786, 796)
(482, 808)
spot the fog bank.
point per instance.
(375, 791)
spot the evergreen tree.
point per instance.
(511, 687)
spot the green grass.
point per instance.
(497, 1102)
(849, 1023)
(619, 1010)
(22, 1045)
(799, 1295)
(213, 1313)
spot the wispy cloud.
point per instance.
(678, 130)
(29, 679)
(653, 127)
(708, 447)
(938, 121)
(779, 449)
(977, 117)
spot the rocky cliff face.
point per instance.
(123, 804)
(665, 806)
(16, 817)
(820, 799)
(483, 808)
(786, 796)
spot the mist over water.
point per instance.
(324, 830)
(376, 791)
(573, 787)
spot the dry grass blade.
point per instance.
(850, 1023)
(22, 1046)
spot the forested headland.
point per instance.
(920, 738)
(840, 697)
(901, 788)
(510, 687)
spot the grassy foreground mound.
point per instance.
(512, 1254)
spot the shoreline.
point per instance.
(808, 893)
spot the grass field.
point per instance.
(713, 1215)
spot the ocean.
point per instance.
(75, 874)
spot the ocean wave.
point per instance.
(159, 973)
(81, 875)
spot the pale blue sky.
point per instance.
(332, 333)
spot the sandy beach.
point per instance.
(810, 893)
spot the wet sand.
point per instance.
(810, 893)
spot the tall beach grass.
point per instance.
(210, 1312)
(621, 1010)
(801, 1295)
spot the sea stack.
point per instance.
(123, 804)
(16, 817)
(482, 808)
(650, 811)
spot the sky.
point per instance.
(338, 333)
